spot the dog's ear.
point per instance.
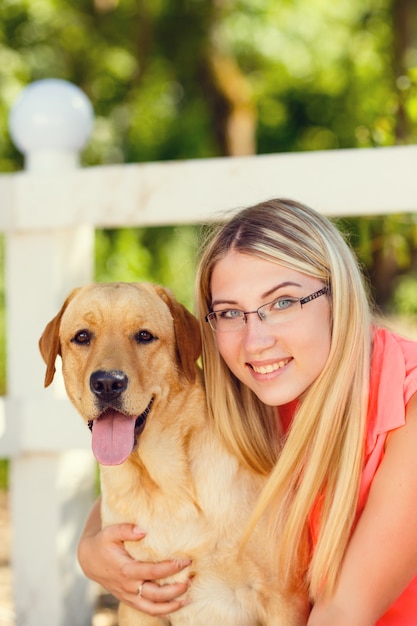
(187, 334)
(49, 344)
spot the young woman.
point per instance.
(307, 389)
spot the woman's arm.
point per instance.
(103, 558)
(381, 558)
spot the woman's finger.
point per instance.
(156, 599)
(153, 592)
(143, 571)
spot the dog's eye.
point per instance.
(83, 337)
(144, 336)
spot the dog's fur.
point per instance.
(129, 350)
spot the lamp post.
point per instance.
(52, 471)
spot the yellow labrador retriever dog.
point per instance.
(129, 353)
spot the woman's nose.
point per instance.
(257, 335)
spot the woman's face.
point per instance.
(278, 362)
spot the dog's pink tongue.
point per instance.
(113, 437)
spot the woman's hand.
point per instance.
(103, 558)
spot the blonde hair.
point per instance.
(321, 461)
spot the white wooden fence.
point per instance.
(48, 213)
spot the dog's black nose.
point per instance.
(108, 385)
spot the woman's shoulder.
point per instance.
(393, 381)
(391, 350)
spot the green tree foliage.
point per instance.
(164, 255)
(387, 248)
(165, 75)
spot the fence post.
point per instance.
(52, 472)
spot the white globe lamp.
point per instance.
(50, 123)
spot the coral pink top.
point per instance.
(393, 382)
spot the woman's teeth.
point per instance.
(268, 369)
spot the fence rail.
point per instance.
(337, 182)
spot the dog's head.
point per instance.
(125, 347)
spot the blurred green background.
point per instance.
(188, 79)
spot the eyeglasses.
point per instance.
(276, 312)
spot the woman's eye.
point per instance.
(144, 336)
(83, 337)
(283, 303)
(230, 314)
